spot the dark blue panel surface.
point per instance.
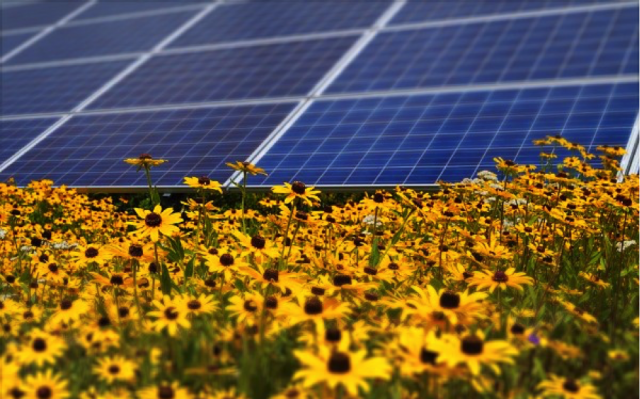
(10, 42)
(422, 11)
(53, 89)
(16, 134)
(37, 14)
(89, 150)
(422, 139)
(103, 38)
(109, 9)
(554, 47)
(250, 72)
(262, 20)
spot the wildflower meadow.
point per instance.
(520, 282)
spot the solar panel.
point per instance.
(10, 42)
(421, 11)
(89, 150)
(104, 38)
(285, 69)
(15, 134)
(105, 9)
(264, 20)
(562, 46)
(54, 89)
(418, 140)
(37, 14)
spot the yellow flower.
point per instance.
(500, 279)
(156, 222)
(203, 182)
(474, 352)
(115, 368)
(349, 369)
(567, 388)
(297, 190)
(144, 161)
(170, 315)
(45, 385)
(164, 390)
(246, 167)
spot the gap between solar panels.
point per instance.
(342, 63)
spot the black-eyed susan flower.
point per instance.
(45, 385)
(144, 161)
(499, 279)
(348, 369)
(246, 167)
(164, 391)
(567, 388)
(115, 368)
(203, 183)
(169, 314)
(474, 352)
(297, 189)
(156, 222)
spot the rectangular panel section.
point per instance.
(119, 8)
(276, 70)
(89, 150)
(14, 135)
(10, 42)
(422, 11)
(556, 47)
(36, 14)
(103, 38)
(260, 20)
(421, 139)
(55, 89)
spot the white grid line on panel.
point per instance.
(72, 61)
(137, 14)
(324, 83)
(631, 157)
(115, 80)
(46, 32)
(510, 16)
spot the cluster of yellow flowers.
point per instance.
(516, 284)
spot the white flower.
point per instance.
(487, 175)
(621, 246)
(3, 234)
(370, 219)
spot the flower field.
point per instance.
(518, 283)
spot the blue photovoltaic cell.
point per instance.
(422, 11)
(422, 139)
(15, 134)
(103, 38)
(262, 20)
(36, 14)
(53, 89)
(10, 42)
(89, 150)
(285, 69)
(554, 47)
(103, 9)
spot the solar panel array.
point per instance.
(333, 93)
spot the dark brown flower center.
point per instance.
(341, 279)
(39, 345)
(194, 304)
(165, 392)
(91, 252)
(449, 300)
(27, 315)
(153, 219)
(44, 393)
(258, 242)
(427, 356)
(333, 335)
(250, 305)
(339, 363)
(171, 313)
(298, 187)
(313, 306)
(370, 271)
(123, 311)
(472, 345)
(144, 156)
(52, 267)
(270, 275)
(371, 296)
(65, 304)
(116, 280)
(378, 198)
(292, 393)
(135, 250)
(204, 180)
(302, 215)
(16, 393)
(114, 369)
(317, 291)
(271, 302)
(226, 260)
(394, 266)
(500, 277)
(517, 329)
(571, 385)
